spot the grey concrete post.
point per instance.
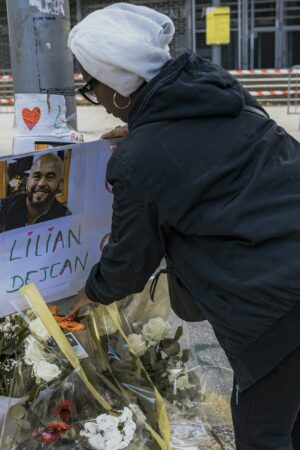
(216, 55)
(41, 61)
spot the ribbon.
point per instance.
(163, 420)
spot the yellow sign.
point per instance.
(218, 25)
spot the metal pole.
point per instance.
(279, 34)
(194, 45)
(239, 35)
(78, 11)
(245, 34)
(41, 61)
(216, 49)
(252, 35)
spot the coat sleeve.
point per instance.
(136, 245)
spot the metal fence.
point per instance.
(272, 35)
(293, 106)
(180, 11)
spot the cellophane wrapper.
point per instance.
(197, 397)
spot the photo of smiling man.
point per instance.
(38, 203)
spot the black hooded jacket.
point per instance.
(217, 190)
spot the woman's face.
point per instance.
(105, 96)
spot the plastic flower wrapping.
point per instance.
(118, 377)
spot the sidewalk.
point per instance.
(94, 121)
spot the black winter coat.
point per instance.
(217, 190)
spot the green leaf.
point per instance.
(185, 355)
(179, 333)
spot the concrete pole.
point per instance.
(216, 55)
(245, 34)
(41, 61)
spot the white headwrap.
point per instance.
(123, 45)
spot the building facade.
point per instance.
(264, 33)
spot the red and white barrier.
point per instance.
(6, 77)
(273, 93)
(260, 72)
(7, 101)
(78, 76)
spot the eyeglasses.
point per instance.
(88, 91)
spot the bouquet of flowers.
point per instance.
(67, 416)
(198, 408)
(73, 403)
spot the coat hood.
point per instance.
(188, 87)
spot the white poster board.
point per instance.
(57, 253)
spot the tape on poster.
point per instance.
(49, 6)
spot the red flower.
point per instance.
(63, 410)
(46, 436)
(50, 434)
(58, 426)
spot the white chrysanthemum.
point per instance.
(109, 432)
(37, 328)
(155, 329)
(46, 371)
(91, 427)
(105, 421)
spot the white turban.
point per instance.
(123, 45)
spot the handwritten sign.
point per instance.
(57, 250)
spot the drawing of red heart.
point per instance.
(30, 233)
(31, 116)
(50, 229)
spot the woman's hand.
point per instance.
(117, 132)
(80, 301)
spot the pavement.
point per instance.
(199, 337)
(93, 121)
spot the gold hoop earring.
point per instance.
(115, 102)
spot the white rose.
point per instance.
(46, 371)
(156, 329)
(34, 352)
(137, 343)
(37, 328)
